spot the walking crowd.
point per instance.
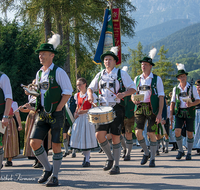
(107, 113)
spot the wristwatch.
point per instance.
(5, 116)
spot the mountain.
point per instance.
(184, 41)
(155, 33)
(153, 12)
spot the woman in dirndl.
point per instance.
(83, 132)
(196, 144)
(10, 138)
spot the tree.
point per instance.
(164, 69)
(134, 63)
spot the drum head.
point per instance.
(101, 109)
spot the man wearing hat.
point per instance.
(196, 144)
(150, 108)
(55, 89)
(184, 99)
(104, 82)
(5, 106)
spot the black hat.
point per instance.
(181, 69)
(112, 52)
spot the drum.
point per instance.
(101, 115)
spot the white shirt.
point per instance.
(147, 81)
(5, 86)
(182, 103)
(107, 96)
(14, 106)
(83, 96)
(61, 78)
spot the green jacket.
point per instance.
(52, 96)
(191, 110)
(154, 99)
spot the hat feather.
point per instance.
(152, 53)
(54, 40)
(114, 50)
(125, 68)
(180, 66)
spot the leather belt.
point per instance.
(144, 88)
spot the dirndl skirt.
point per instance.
(83, 134)
(10, 139)
(27, 151)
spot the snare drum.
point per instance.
(101, 115)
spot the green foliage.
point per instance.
(134, 63)
(164, 69)
(21, 135)
(18, 58)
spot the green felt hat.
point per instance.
(111, 54)
(148, 60)
(180, 72)
(46, 47)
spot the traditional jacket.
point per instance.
(52, 96)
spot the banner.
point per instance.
(110, 35)
(100, 45)
(117, 31)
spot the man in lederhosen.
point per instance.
(184, 99)
(109, 79)
(149, 109)
(5, 105)
(55, 89)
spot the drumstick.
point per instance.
(112, 92)
(93, 104)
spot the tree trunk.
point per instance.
(66, 38)
(47, 22)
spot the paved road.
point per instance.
(169, 173)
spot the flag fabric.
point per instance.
(69, 115)
(106, 40)
(117, 32)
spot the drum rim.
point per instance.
(102, 112)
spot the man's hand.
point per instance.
(135, 102)
(120, 95)
(158, 118)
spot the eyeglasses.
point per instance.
(79, 84)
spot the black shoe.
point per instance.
(144, 159)
(73, 155)
(108, 165)
(52, 182)
(157, 153)
(38, 165)
(101, 150)
(163, 149)
(65, 154)
(2, 166)
(115, 170)
(180, 154)
(166, 151)
(188, 156)
(142, 150)
(8, 163)
(127, 158)
(173, 149)
(36, 161)
(124, 153)
(45, 176)
(86, 164)
(152, 163)
(83, 161)
(198, 151)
